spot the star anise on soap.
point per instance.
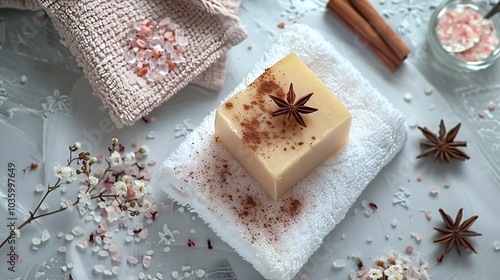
(291, 108)
(455, 233)
(443, 146)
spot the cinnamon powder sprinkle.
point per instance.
(259, 129)
(221, 181)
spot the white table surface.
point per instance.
(31, 132)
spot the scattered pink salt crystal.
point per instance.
(434, 191)
(146, 261)
(99, 268)
(428, 214)
(99, 172)
(109, 186)
(409, 249)
(36, 241)
(82, 244)
(132, 260)
(143, 234)
(110, 209)
(103, 226)
(117, 257)
(146, 31)
(45, 235)
(148, 175)
(142, 72)
(492, 106)
(418, 238)
(112, 248)
(135, 143)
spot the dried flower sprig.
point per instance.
(124, 187)
(32, 166)
(393, 267)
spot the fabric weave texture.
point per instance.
(95, 31)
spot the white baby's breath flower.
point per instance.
(397, 276)
(85, 199)
(130, 170)
(120, 188)
(144, 150)
(66, 203)
(374, 274)
(146, 203)
(93, 160)
(93, 181)
(17, 232)
(127, 180)
(70, 174)
(130, 158)
(58, 171)
(393, 270)
(65, 172)
(77, 145)
(140, 188)
(115, 159)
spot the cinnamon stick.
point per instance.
(344, 10)
(358, 24)
(388, 63)
(368, 12)
(392, 66)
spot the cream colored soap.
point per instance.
(274, 157)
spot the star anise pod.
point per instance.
(291, 108)
(443, 146)
(456, 233)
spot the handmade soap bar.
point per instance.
(275, 154)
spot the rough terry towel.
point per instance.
(95, 31)
(213, 78)
(278, 237)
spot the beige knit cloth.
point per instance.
(215, 76)
(95, 32)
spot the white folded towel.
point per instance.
(278, 237)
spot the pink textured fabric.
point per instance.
(95, 32)
(213, 78)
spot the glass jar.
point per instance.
(462, 61)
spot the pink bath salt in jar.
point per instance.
(461, 38)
